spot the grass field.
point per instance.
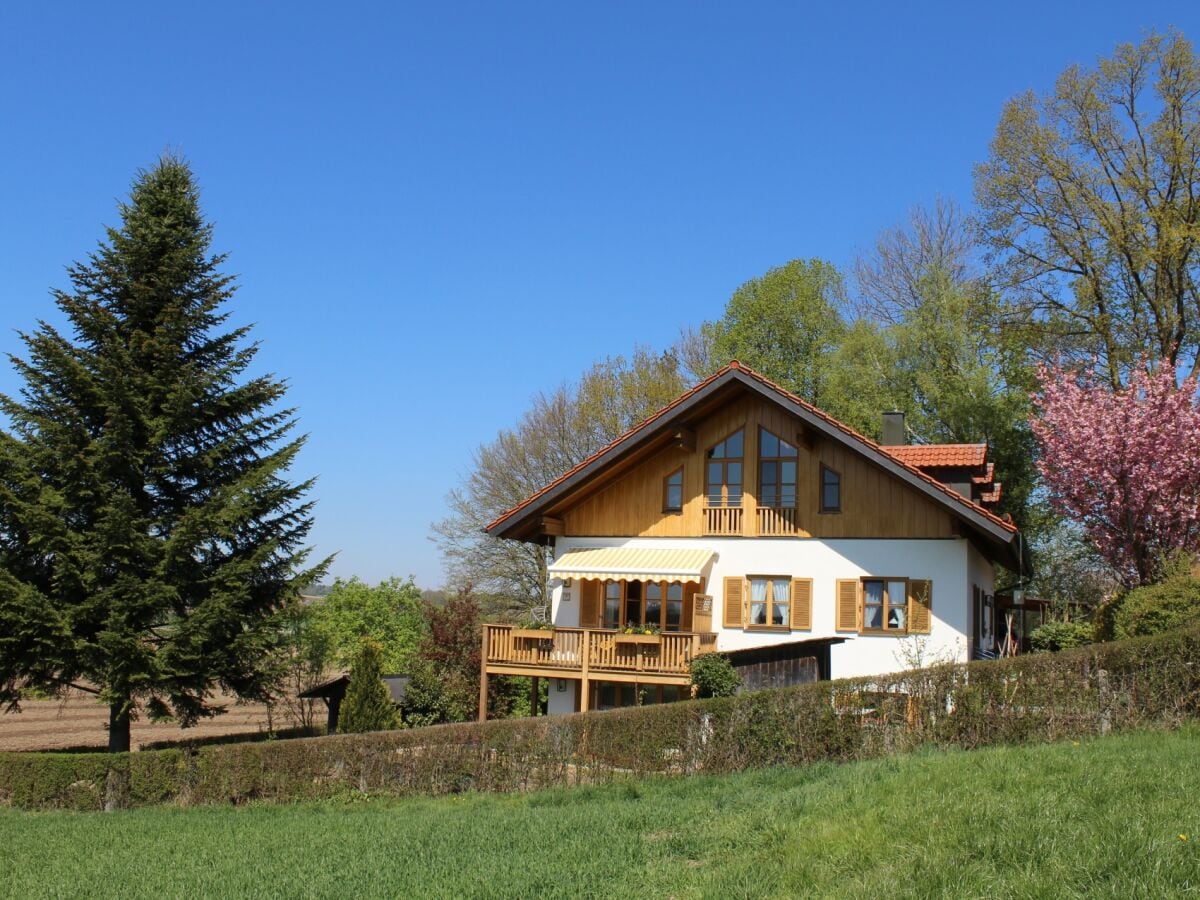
(1111, 817)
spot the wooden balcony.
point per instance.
(595, 653)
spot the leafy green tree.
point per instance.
(786, 325)
(560, 430)
(943, 358)
(388, 613)
(1088, 203)
(148, 534)
(367, 705)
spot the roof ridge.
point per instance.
(736, 366)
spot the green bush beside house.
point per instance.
(1158, 608)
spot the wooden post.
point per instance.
(584, 684)
(483, 677)
(533, 696)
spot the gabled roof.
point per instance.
(1000, 533)
(937, 456)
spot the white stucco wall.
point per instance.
(561, 702)
(948, 563)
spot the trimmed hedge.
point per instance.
(1126, 684)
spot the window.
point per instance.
(612, 604)
(644, 603)
(894, 606)
(776, 471)
(614, 695)
(673, 491)
(885, 604)
(723, 485)
(831, 490)
(770, 598)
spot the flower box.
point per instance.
(533, 634)
(638, 638)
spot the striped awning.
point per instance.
(632, 564)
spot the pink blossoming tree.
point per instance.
(1123, 463)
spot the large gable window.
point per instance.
(776, 471)
(723, 486)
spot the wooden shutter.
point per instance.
(802, 604)
(589, 603)
(920, 606)
(849, 610)
(734, 593)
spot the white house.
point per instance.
(742, 519)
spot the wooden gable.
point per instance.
(875, 503)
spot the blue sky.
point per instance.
(438, 210)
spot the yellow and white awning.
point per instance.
(633, 564)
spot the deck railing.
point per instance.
(604, 650)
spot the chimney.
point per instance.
(894, 434)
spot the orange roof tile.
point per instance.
(936, 456)
(986, 477)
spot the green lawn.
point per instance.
(1099, 819)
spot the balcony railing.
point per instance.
(595, 650)
(774, 521)
(723, 520)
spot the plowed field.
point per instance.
(79, 721)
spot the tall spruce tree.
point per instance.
(148, 532)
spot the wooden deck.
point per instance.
(591, 654)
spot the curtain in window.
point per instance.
(758, 601)
(779, 609)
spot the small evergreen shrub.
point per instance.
(368, 703)
(1054, 636)
(1157, 608)
(714, 676)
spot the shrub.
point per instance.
(714, 676)
(368, 703)
(1169, 605)
(1152, 681)
(1055, 636)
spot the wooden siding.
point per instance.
(779, 673)
(874, 503)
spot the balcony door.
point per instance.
(657, 603)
